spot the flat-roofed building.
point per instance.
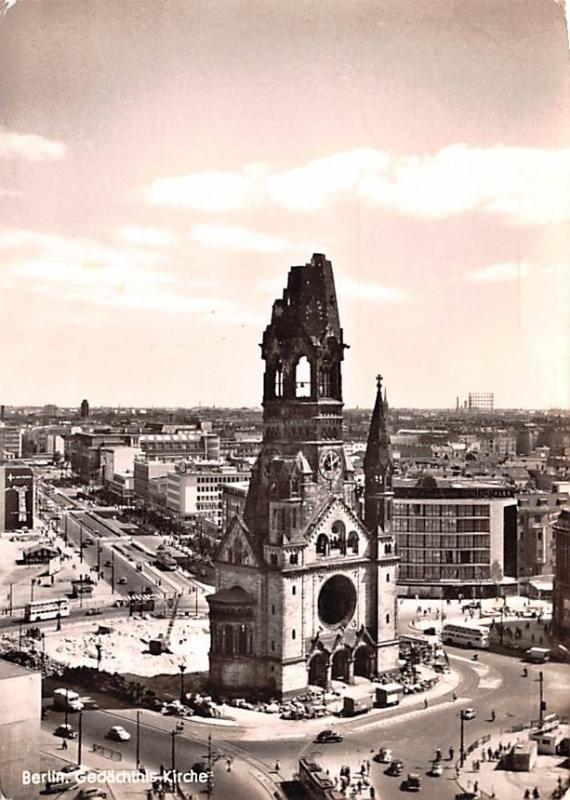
(10, 441)
(150, 480)
(455, 538)
(20, 705)
(195, 490)
(537, 512)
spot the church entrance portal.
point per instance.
(363, 662)
(340, 665)
(318, 670)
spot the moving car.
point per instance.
(118, 734)
(436, 770)
(122, 581)
(93, 612)
(325, 737)
(396, 767)
(469, 713)
(383, 756)
(413, 782)
(65, 732)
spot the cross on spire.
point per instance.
(379, 381)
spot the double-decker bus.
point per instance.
(465, 634)
(46, 609)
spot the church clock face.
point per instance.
(329, 464)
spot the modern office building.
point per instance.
(20, 707)
(150, 480)
(455, 538)
(196, 444)
(561, 594)
(194, 489)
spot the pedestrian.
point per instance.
(454, 696)
(64, 744)
(277, 766)
(425, 702)
(527, 794)
(476, 786)
(372, 793)
(535, 793)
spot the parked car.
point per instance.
(469, 713)
(65, 731)
(122, 581)
(90, 791)
(93, 612)
(73, 772)
(436, 771)
(325, 737)
(383, 756)
(60, 786)
(396, 767)
(412, 783)
(118, 734)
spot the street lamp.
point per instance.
(182, 668)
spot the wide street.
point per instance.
(494, 682)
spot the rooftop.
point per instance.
(9, 670)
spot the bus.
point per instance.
(46, 609)
(465, 635)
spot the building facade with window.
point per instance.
(455, 539)
(306, 578)
(194, 490)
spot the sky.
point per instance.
(164, 162)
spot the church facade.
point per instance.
(306, 577)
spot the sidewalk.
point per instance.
(494, 782)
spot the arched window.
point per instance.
(387, 549)
(353, 542)
(324, 382)
(338, 531)
(322, 545)
(303, 378)
(278, 385)
(243, 640)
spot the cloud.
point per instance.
(147, 237)
(499, 273)
(204, 191)
(370, 292)
(525, 185)
(30, 147)
(235, 237)
(88, 271)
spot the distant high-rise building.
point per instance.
(84, 412)
(481, 401)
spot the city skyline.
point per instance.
(162, 166)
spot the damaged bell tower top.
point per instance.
(303, 350)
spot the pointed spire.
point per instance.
(377, 457)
